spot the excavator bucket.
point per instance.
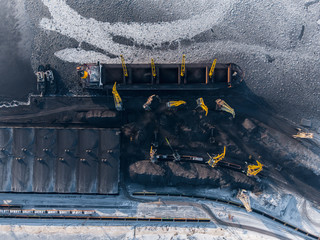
(171, 104)
(213, 161)
(223, 106)
(116, 97)
(254, 169)
(244, 198)
(201, 104)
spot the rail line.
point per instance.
(152, 194)
(16, 211)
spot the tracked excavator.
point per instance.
(253, 170)
(116, 97)
(201, 104)
(213, 161)
(223, 106)
(172, 104)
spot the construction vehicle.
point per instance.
(183, 66)
(253, 170)
(171, 104)
(41, 81)
(175, 154)
(116, 97)
(302, 134)
(212, 68)
(91, 75)
(213, 161)
(153, 68)
(201, 104)
(153, 156)
(147, 105)
(244, 198)
(223, 106)
(180, 76)
(124, 67)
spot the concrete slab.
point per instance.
(67, 161)
(109, 162)
(45, 155)
(22, 165)
(5, 158)
(59, 160)
(88, 161)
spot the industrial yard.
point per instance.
(121, 125)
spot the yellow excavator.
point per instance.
(116, 97)
(201, 104)
(212, 68)
(183, 66)
(223, 106)
(171, 104)
(213, 161)
(253, 170)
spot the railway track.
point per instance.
(290, 226)
(17, 212)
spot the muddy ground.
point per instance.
(256, 133)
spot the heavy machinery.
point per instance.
(153, 156)
(91, 75)
(124, 67)
(223, 106)
(201, 104)
(183, 66)
(147, 105)
(171, 104)
(253, 170)
(175, 154)
(116, 97)
(41, 84)
(244, 198)
(180, 76)
(153, 68)
(213, 161)
(212, 68)
(301, 134)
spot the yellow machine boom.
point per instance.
(244, 198)
(116, 97)
(213, 161)
(254, 169)
(223, 106)
(124, 67)
(201, 104)
(301, 134)
(183, 65)
(153, 68)
(175, 103)
(212, 68)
